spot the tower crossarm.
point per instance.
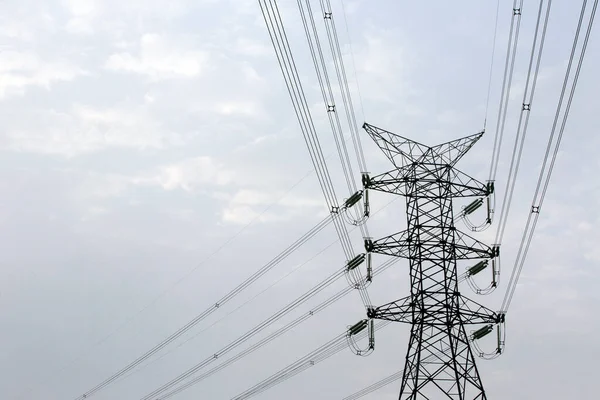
(430, 246)
(396, 245)
(402, 151)
(468, 248)
(463, 185)
(398, 311)
(410, 178)
(409, 311)
(472, 312)
(452, 151)
(398, 149)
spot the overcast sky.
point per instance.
(137, 137)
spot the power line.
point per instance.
(552, 146)
(132, 317)
(249, 334)
(214, 307)
(340, 70)
(323, 78)
(342, 293)
(527, 103)
(327, 93)
(376, 386)
(278, 36)
(329, 100)
(287, 65)
(362, 107)
(322, 353)
(509, 66)
(254, 331)
(232, 311)
(489, 89)
(350, 288)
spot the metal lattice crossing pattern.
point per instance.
(435, 308)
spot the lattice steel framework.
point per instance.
(440, 362)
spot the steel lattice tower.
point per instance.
(439, 362)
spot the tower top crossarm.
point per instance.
(402, 151)
(422, 170)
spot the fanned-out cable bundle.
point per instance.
(179, 384)
(208, 311)
(553, 145)
(322, 353)
(278, 36)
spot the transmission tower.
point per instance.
(440, 362)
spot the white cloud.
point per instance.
(80, 8)
(251, 197)
(83, 14)
(243, 215)
(190, 174)
(93, 212)
(114, 17)
(255, 197)
(247, 204)
(208, 175)
(250, 47)
(98, 186)
(244, 108)
(255, 142)
(20, 23)
(79, 25)
(384, 61)
(160, 58)
(450, 117)
(18, 70)
(85, 129)
(97, 191)
(351, 7)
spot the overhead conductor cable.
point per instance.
(189, 373)
(546, 169)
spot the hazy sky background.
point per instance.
(137, 137)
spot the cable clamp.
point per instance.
(500, 317)
(495, 250)
(371, 312)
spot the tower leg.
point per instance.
(440, 365)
